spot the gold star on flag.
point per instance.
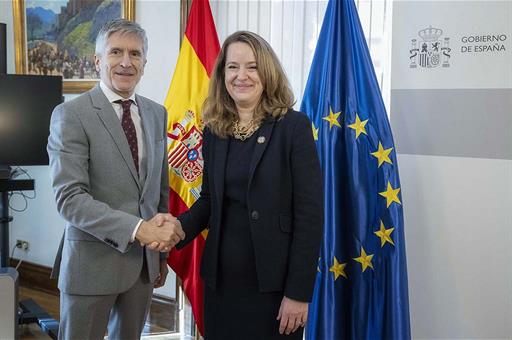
(315, 131)
(338, 269)
(384, 234)
(359, 126)
(391, 195)
(382, 155)
(332, 118)
(365, 260)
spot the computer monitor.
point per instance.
(26, 105)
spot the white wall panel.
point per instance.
(458, 238)
(452, 128)
(456, 21)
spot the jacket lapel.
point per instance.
(221, 150)
(145, 113)
(263, 135)
(107, 115)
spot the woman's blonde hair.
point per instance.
(219, 109)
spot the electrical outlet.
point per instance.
(22, 244)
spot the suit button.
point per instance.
(255, 215)
(142, 201)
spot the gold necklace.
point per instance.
(244, 132)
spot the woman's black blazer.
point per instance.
(285, 206)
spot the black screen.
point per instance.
(26, 105)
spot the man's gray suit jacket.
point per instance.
(101, 196)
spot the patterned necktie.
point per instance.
(129, 130)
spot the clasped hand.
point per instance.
(160, 233)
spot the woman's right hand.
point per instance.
(293, 314)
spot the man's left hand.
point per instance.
(160, 280)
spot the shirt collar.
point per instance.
(112, 96)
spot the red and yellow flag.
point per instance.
(189, 88)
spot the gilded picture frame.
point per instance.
(57, 41)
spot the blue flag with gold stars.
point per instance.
(361, 285)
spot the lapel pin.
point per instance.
(261, 139)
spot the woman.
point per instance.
(261, 199)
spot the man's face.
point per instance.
(121, 64)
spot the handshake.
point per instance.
(160, 233)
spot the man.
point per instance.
(109, 170)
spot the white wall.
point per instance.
(458, 237)
(40, 224)
(453, 132)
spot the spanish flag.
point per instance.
(189, 88)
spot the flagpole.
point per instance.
(184, 12)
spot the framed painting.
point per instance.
(57, 37)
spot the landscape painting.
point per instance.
(60, 38)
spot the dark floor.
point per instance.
(162, 319)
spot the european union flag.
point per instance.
(361, 287)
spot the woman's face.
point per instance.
(241, 76)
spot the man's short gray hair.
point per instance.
(122, 26)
